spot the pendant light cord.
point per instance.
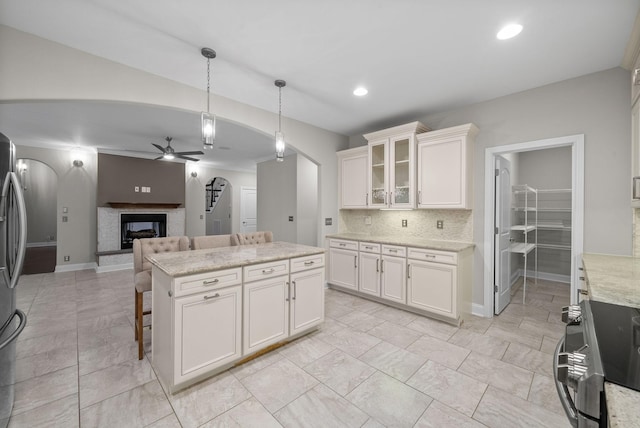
(208, 78)
(280, 109)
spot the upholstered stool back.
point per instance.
(211, 241)
(254, 238)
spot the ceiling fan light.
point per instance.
(168, 156)
(208, 122)
(279, 146)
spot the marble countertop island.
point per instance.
(616, 280)
(199, 261)
(413, 241)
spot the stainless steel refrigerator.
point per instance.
(13, 240)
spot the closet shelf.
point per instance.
(555, 246)
(523, 228)
(521, 247)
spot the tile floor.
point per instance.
(368, 366)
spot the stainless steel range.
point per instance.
(601, 343)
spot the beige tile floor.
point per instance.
(368, 366)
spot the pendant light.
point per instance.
(279, 135)
(208, 120)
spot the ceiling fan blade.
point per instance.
(159, 157)
(178, 155)
(159, 147)
(189, 153)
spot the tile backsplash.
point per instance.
(457, 224)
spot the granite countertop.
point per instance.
(616, 279)
(613, 279)
(412, 241)
(200, 261)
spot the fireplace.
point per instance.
(134, 226)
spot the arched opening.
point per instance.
(40, 185)
(218, 206)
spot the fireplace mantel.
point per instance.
(130, 205)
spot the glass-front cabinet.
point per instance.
(392, 171)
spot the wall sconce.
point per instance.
(194, 174)
(77, 157)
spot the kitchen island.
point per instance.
(214, 308)
(616, 280)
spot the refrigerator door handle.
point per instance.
(12, 180)
(18, 330)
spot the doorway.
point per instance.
(248, 209)
(218, 206)
(527, 231)
(40, 186)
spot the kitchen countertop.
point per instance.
(418, 242)
(616, 280)
(613, 279)
(183, 263)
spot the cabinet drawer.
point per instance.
(394, 250)
(347, 245)
(433, 255)
(266, 270)
(207, 281)
(369, 247)
(308, 262)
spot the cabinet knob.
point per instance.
(170, 293)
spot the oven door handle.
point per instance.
(563, 391)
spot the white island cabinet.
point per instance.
(212, 308)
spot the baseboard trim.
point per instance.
(75, 267)
(42, 244)
(113, 268)
(477, 310)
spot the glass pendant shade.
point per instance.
(208, 129)
(279, 146)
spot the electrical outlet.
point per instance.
(65, 219)
(136, 189)
(67, 258)
(404, 222)
(440, 224)
(65, 209)
(290, 218)
(328, 221)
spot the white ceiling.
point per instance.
(415, 56)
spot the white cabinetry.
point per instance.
(353, 167)
(343, 263)
(392, 166)
(281, 306)
(394, 274)
(369, 281)
(439, 282)
(197, 324)
(266, 313)
(445, 167)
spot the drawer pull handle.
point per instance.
(430, 256)
(583, 292)
(393, 250)
(212, 297)
(268, 271)
(582, 278)
(342, 244)
(309, 263)
(368, 247)
(210, 282)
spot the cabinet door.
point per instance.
(402, 171)
(266, 313)
(307, 300)
(378, 173)
(394, 279)
(343, 268)
(442, 179)
(208, 328)
(432, 287)
(369, 281)
(353, 181)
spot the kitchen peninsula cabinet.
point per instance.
(211, 308)
(392, 166)
(394, 274)
(445, 168)
(353, 190)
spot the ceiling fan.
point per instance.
(168, 152)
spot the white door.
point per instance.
(248, 209)
(266, 313)
(502, 257)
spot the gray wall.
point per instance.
(277, 198)
(596, 105)
(545, 169)
(40, 185)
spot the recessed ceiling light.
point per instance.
(509, 31)
(360, 91)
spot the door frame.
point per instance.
(576, 142)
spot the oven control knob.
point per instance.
(571, 358)
(572, 314)
(570, 374)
